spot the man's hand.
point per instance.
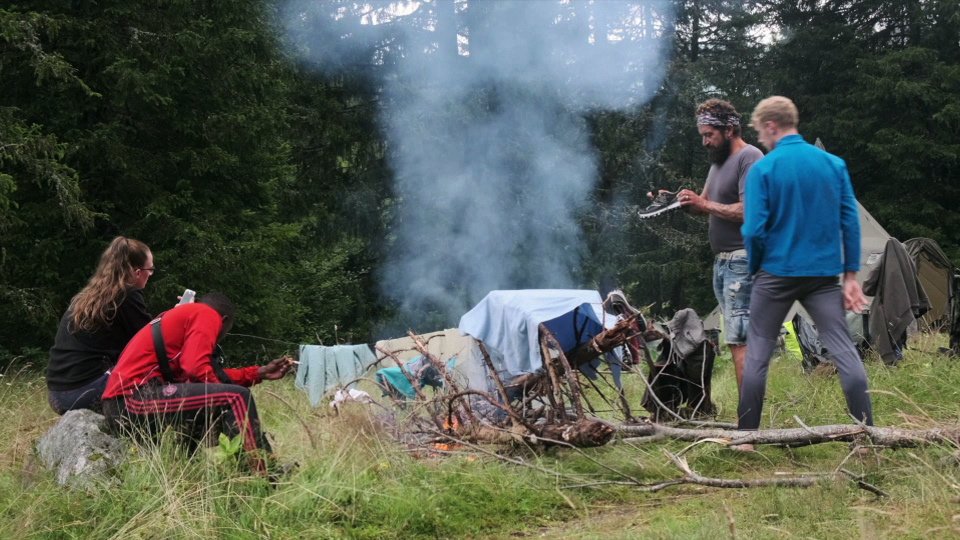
(853, 298)
(277, 368)
(691, 200)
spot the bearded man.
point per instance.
(722, 199)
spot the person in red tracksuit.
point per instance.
(191, 392)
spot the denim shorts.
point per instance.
(731, 285)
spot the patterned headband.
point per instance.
(718, 120)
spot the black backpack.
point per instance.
(682, 385)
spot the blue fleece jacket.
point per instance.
(800, 215)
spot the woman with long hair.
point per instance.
(97, 325)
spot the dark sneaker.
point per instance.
(664, 202)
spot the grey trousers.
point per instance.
(770, 302)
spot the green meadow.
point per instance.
(356, 481)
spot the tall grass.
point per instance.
(355, 481)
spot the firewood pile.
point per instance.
(547, 407)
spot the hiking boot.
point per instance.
(663, 202)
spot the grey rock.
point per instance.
(80, 450)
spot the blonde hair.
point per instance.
(96, 304)
(777, 109)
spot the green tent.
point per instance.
(935, 271)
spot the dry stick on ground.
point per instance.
(708, 424)
(689, 475)
(794, 437)
(692, 477)
(862, 484)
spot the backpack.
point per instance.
(681, 376)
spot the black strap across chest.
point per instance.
(163, 360)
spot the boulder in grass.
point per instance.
(80, 451)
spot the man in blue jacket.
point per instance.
(801, 230)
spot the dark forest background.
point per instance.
(187, 124)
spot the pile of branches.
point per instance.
(543, 408)
(549, 408)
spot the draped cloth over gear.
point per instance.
(686, 333)
(683, 372)
(507, 322)
(898, 300)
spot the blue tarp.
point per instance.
(507, 323)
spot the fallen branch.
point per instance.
(689, 476)
(692, 477)
(890, 437)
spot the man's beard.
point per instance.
(718, 156)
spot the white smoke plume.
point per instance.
(483, 106)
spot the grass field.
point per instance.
(355, 482)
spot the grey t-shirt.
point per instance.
(725, 186)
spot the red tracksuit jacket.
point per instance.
(189, 333)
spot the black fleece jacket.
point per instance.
(78, 358)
